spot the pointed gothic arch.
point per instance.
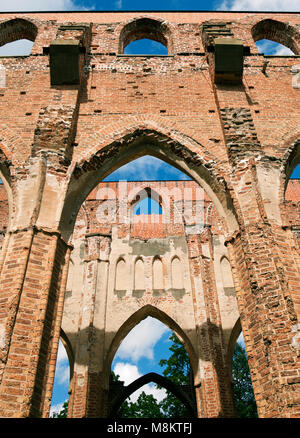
(136, 318)
(140, 194)
(159, 380)
(176, 150)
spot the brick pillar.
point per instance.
(55, 333)
(263, 266)
(30, 286)
(88, 395)
(214, 396)
(263, 258)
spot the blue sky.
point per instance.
(104, 5)
(134, 358)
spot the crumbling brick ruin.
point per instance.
(78, 108)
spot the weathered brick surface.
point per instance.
(240, 142)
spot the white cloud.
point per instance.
(16, 48)
(270, 48)
(118, 4)
(62, 372)
(259, 5)
(23, 47)
(282, 50)
(36, 5)
(141, 340)
(129, 373)
(61, 354)
(56, 408)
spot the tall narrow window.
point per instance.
(121, 276)
(177, 275)
(60, 394)
(158, 280)
(139, 275)
(227, 277)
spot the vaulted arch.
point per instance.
(16, 29)
(145, 27)
(159, 380)
(279, 32)
(289, 161)
(136, 318)
(174, 148)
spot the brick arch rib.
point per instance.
(176, 149)
(145, 27)
(16, 29)
(136, 318)
(288, 164)
(159, 380)
(278, 32)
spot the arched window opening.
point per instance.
(139, 275)
(145, 46)
(60, 393)
(296, 172)
(121, 279)
(17, 37)
(275, 38)
(145, 36)
(177, 274)
(292, 184)
(150, 353)
(227, 279)
(148, 205)
(157, 275)
(147, 168)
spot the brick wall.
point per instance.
(239, 141)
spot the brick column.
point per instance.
(214, 396)
(31, 297)
(88, 396)
(263, 257)
(55, 332)
(266, 280)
